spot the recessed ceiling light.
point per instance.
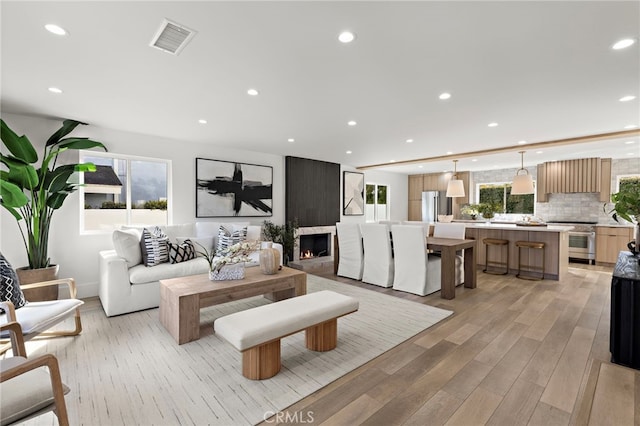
(352, 123)
(449, 152)
(630, 126)
(202, 121)
(630, 142)
(392, 161)
(539, 152)
(252, 92)
(623, 43)
(346, 37)
(55, 29)
(474, 160)
(54, 90)
(349, 152)
(409, 140)
(492, 124)
(627, 98)
(631, 153)
(420, 166)
(291, 140)
(444, 96)
(521, 142)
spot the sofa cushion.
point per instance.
(181, 252)
(254, 233)
(154, 246)
(141, 275)
(229, 235)
(127, 246)
(10, 290)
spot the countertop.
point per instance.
(615, 225)
(514, 227)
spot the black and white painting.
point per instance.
(353, 191)
(226, 188)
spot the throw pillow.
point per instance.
(154, 246)
(228, 237)
(127, 246)
(181, 252)
(10, 290)
(199, 244)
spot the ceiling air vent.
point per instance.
(172, 37)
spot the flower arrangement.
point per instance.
(470, 210)
(237, 253)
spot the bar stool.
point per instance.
(496, 243)
(531, 245)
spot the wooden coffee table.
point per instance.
(182, 298)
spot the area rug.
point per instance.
(128, 370)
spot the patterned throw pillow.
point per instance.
(228, 237)
(10, 285)
(181, 252)
(154, 246)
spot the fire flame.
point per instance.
(306, 254)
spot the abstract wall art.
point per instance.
(227, 189)
(353, 192)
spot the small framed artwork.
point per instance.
(228, 189)
(353, 194)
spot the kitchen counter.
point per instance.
(513, 226)
(555, 238)
(615, 225)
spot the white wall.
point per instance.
(397, 191)
(77, 254)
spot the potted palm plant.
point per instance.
(626, 205)
(32, 192)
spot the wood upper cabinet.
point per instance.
(581, 175)
(430, 182)
(610, 240)
(415, 187)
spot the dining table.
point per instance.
(448, 247)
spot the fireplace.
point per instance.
(314, 242)
(314, 245)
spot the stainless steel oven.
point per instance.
(582, 240)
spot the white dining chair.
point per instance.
(378, 256)
(425, 225)
(457, 231)
(416, 271)
(351, 257)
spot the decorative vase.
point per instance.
(30, 276)
(233, 271)
(269, 259)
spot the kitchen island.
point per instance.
(556, 239)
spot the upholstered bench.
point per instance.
(257, 332)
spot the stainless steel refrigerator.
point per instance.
(435, 203)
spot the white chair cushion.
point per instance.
(246, 329)
(378, 260)
(351, 254)
(449, 230)
(415, 271)
(26, 393)
(39, 316)
(127, 246)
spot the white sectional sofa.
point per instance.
(127, 285)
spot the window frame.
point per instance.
(83, 154)
(375, 204)
(621, 177)
(504, 206)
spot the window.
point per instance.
(124, 190)
(500, 194)
(626, 180)
(377, 203)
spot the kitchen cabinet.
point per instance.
(610, 240)
(570, 176)
(415, 187)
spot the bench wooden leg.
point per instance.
(322, 337)
(261, 362)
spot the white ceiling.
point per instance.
(542, 70)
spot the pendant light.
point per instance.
(522, 183)
(455, 188)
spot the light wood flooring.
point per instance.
(515, 352)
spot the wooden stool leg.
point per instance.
(322, 337)
(261, 362)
